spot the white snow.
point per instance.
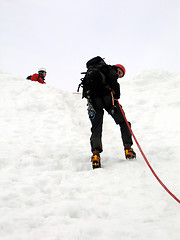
(48, 190)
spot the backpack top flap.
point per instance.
(96, 61)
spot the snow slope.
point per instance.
(48, 190)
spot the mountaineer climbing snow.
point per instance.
(38, 77)
(102, 91)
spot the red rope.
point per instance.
(140, 149)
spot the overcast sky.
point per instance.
(62, 35)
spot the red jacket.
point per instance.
(36, 77)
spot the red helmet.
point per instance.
(121, 67)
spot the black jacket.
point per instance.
(112, 78)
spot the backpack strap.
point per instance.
(81, 84)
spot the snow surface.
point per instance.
(48, 190)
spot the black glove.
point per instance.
(29, 77)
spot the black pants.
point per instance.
(99, 105)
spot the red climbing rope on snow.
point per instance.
(140, 149)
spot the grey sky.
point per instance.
(62, 35)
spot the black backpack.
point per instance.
(95, 82)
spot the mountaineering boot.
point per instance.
(95, 159)
(129, 152)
